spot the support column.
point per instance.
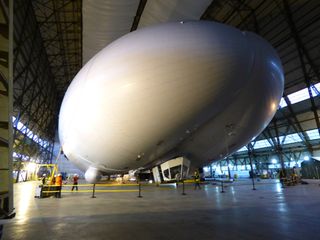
(229, 172)
(236, 163)
(280, 155)
(251, 167)
(250, 153)
(6, 102)
(245, 164)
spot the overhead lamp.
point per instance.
(306, 158)
(31, 167)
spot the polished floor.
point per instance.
(270, 212)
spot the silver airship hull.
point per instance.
(196, 88)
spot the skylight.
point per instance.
(301, 95)
(244, 148)
(291, 138)
(282, 103)
(262, 144)
(316, 89)
(313, 134)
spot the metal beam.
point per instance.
(304, 137)
(139, 12)
(209, 9)
(302, 51)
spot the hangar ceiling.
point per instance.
(60, 24)
(62, 35)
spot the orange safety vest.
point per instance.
(59, 181)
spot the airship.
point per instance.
(198, 89)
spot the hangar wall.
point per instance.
(35, 96)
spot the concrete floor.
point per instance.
(240, 213)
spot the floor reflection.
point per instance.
(23, 202)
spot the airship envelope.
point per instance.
(196, 88)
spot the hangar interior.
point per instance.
(48, 52)
(44, 43)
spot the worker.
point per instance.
(53, 180)
(44, 179)
(295, 175)
(196, 180)
(75, 182)
(58, 185)
(283, 177)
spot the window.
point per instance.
(166, 173)
(175, 170)
(24, 130)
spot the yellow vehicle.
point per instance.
(49, 169)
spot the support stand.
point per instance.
(222, 189)
(253, 186)
(139, 196)
(93, 191)
(183, 192)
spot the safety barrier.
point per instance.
(52, 190)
